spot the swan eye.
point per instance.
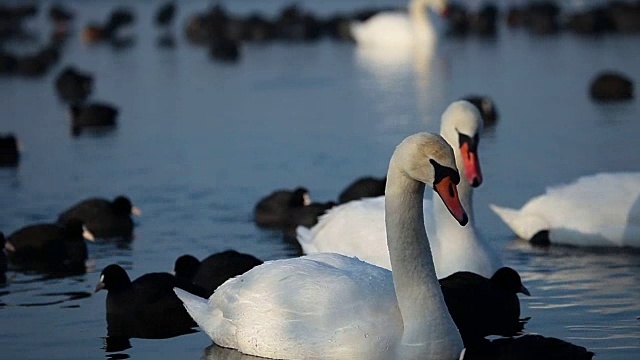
(472, 142)
(442, 172)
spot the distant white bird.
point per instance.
(596, 210)
(399, 28)
(330, 306)
(357, 228)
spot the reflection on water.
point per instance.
(215, 352)
(409, 76)
(593, 278)
(591, 284)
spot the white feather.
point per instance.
(596, 210)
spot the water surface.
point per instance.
(200, 142)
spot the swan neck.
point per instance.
(427, 324)
(418, 13)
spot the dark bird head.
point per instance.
(122, 205)
(300, 197)
(186, 267)
(75, 230)
(113, 278)
(509, 279)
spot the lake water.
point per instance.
(200, 142)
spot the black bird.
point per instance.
(481, 306)
(38, 63)
(144, 308)
(224, 48)
(165, 14)
(73, 85)
(527, 347)
(95, 115)
(60, 14)
(458, 20)
(50, 247)
(9, 150)
(8, 63)
(484, 21)
(306, 216)
(274, 210)
(363, 187)
(487, 108)
(611, 86)
(104, 218)
(120, 17)
(214, 270)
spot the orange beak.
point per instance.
(471, 165)
(449, 194)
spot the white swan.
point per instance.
(596, 210)
(330, 306)
(399, 28)
(357, 227)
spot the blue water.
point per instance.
(200, 142)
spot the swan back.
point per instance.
(363, 218)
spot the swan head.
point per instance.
(428, 158)
(461, 127)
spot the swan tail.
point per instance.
(197, 307)
(356, 32)
(508, 215)
(524, 225)
(305, 238)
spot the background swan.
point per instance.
(596, 210)
(357, 228)
(336, 307)
(399, 28)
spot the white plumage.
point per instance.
(336, 301)
(330, 306)
(596, 210)
(399, 29)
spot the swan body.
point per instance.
(357, 228)
(349, 329)
(596, 210)
(399, 28)
(331, 306)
